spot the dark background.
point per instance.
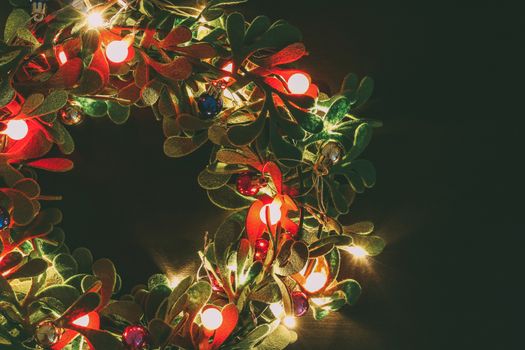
(446, 199)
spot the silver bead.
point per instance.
(47, 334)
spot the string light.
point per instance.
(277, 309)
(357, 251)
(62, 57)
(16, 129)
(315, 282)
(275, 212)
(289, 322)
(117, 51)
(211, 318)
(82, 321)
(298, 83)
(95, 19)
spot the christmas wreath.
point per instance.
(285, 162)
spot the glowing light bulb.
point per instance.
(315, 282)
(62, 57)
(289, 321)
(211, 318)
(117, 51)
(95, 19)
(16, 129)
(275, 212)
(228, 67)
(277, 309)
(357, 251)
(82, 321)
(298, 83)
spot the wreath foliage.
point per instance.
(285, 162)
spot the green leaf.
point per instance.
(92, 107)
(351, 290)
(337, 240)
(279, 339)
(160, 331)
(189, 122)
(32, 102)
(364, 91)
(179, 146)
(292, 258)
(17, 19)
(337, 110)
(212, 181)
(360, 228)
(362, 137)
(228, 198)
(84, 259)
(64, 293)
(241, 135)
(198, 296)
(227, 234)
(32, 268)
(128, 310)
(118, 113)
(7, 93)
(105, 271)
(52, 103)
(235, 30)
(258, 27)
(255, 336)
(286, 153)
(65, 265)
(157, 279)
(373, 245)
(155, 298)
(349, 83)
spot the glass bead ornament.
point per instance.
(136, 337)
(249, 184)
(330, 154)
(47, 334)
(300, 303)
(71, 115)
(5, 218)
(261, 249)
(209, 105)
(38, 9)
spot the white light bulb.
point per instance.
(275, 212)
(95, 19)
(315, 282)
(117, 51)
(16, 129)
(358, 252)
(277, 309)
(298, 83)
(289, 321)
(211, 318)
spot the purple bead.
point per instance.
(300, 303)
(136, 338)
